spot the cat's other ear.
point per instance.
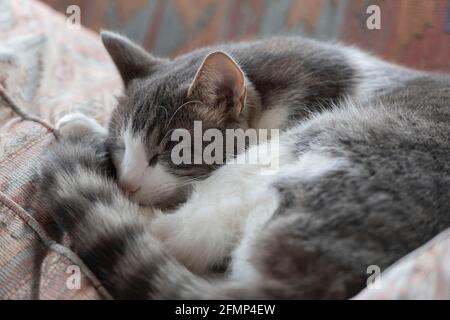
(131, 60)
(218, 79)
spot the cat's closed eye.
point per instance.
(153, 160)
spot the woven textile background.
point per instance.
(413, 32)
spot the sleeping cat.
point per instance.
(363, 175)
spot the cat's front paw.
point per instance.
(183, 240)
(78, 124)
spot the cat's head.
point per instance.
(160, 96)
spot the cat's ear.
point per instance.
(219, 78)
(131, 60)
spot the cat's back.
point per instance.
(277, 57)
(428, 94)
(393, 188)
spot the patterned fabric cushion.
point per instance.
(51, 70)
(423, 274)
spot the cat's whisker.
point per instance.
(166, 112)
(170, 187)
(179, 108)
(166, 135)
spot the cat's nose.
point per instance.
(128, 187)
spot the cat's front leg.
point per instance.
(205, 231)
(199, 240)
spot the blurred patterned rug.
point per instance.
(413, 32)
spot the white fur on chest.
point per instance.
(223, 209)
(226, 212)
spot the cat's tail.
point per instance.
(112, 235)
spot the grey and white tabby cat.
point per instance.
(363, 179)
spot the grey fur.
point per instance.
(390, 198)
(302, 75)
